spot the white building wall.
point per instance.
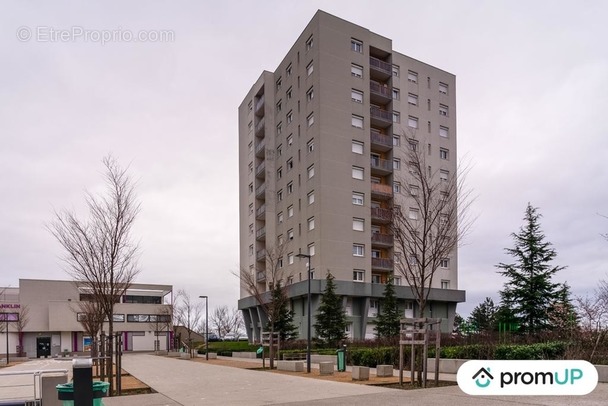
(143, 343)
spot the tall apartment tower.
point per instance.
(322, 143)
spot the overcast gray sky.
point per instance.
(532, 98)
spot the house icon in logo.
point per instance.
(485, 376)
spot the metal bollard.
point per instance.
(83, 382)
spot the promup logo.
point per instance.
(483, 375)
(527, 377)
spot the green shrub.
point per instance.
(371, 357)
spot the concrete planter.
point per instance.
(250, 355)
(360, 373)
(326, 368)
(292, 366)
(446, 366)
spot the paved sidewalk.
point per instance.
(183, 382)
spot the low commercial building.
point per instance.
(44, 317)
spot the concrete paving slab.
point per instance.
(153, 399)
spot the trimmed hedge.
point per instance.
(371, 357)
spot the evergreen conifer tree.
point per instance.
(330, 323)
(529, 292)
(388, 320)
(283, 317)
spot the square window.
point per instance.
(443, 132)
(279, 83)
(396, 94)
(288, 70)
(396, 187)
(444, 263)
(413, 214)
(396, 164)
(289, 164)
(443, 110)
(310, 145)
(289, 140)
(443, 175)
(358, 275)
(414, 190)
(396, 117)
(279, 128)
(289, 117)
(309, 43)
(412, 76)
(280, 150)
(281, 239)
(290, 234)
(358, 224)
(311, 197)
(376, 279)
(443, 88)
(310, 120)
(412, 122)
(250, 188)
(250, 167)
(356, 96)
(250, 229)
(290, 257)
(279, 106)
(413, 145)
(310, 68)
(358, 250)
(310, 94)
(444, 153)
(412, 99)
(357, 147)
(280, 195)
(356, 45)
(396, 141)
(251, 250)
(250, 208)
(358, 173)
(280, 173)
(289, 94)
(290, 188)
(311, 223)
(310, 171)
(358, 199)
(311, 249)
(290, 211)
(250, 105)
(356, 71)
(396, 71)
(280, 217)
(397, 280)
(357, 121)
(445, 284)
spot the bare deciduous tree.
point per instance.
(99, 252)
(224, 321)
(189, 314)
(161, 322)
(593, 315)
(431, 228)
(259, 284)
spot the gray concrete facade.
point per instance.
(323, 152)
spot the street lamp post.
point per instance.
(308, 337)
(206, 326)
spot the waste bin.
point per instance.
(259, 352)
(341, 353)
(65, 392)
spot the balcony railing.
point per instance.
(260, 255)
(259, 127)
(261, 169)
(383, 164)
(382, 239)
(380, 114)
(380, 65)
(260, 233)
(261, 211)
(260, 190)
(259, 149)
(259, 104)
(382, 189)
(382, 263)
(381, 139)
(382, 90)
(380, 214)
